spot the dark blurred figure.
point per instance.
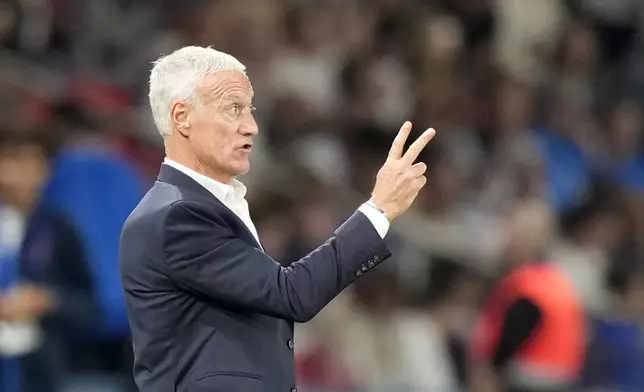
(564, 140)
(625, 122)
(617, 23)
(52, 304)
(95, 185)
(515, 167)
(615, 357)
(434, 338)
(590, 232)
(531, 334)
(477, 17)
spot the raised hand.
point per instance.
(399, 180)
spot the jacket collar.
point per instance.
(170, 175)
(181, 180)
(220, 190)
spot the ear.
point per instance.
(179, 117)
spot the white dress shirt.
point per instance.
(232, 196)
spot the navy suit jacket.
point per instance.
(209, 310)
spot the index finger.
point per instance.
(398, 145)
(415, 149)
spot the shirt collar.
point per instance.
(220, 190)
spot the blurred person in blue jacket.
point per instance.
(97, 187)
(49, 303)
(615, 359)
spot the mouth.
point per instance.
(247, 147)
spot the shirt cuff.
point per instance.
(378, 220)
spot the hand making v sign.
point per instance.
(399, 180)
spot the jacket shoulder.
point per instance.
(149, 218)
(143, 229)
(153, 206)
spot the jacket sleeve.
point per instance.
(77, 306)
(202, 255)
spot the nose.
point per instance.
(249, 126)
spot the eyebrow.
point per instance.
(237, 98)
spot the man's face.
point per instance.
(220, 130)
(23, 169)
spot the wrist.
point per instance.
(373, 205)
(50, 301)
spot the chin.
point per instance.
(242, 169)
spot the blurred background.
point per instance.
(538, 108)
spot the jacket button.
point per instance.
(358, 272)
(293, 389)
(364, 268)
(291, 344)
(370, 264)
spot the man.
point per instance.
(615, 352)
(49, 305)
(209, 310)
(531, 333)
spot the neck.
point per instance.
(625, 312)
(27, 199)
(25, 202)
(190, 161)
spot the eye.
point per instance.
(239, 109)
(236, 109)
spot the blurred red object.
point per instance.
(35, 110)
(148, 157)
(318, 368)
(101, 98)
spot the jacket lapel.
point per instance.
(175, 177)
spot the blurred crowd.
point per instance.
(538, 156)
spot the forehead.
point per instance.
(226, 84)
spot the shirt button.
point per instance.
(291, 344)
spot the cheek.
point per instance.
(218, 140)
(211, 147)
(13, 172)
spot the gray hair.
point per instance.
(177, 76)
